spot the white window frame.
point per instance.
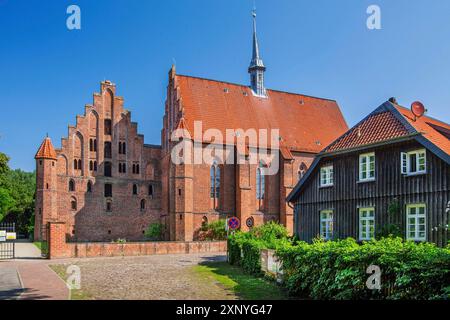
(328, 171)
(366, 157)
(326, 233)
(416, 216)
(364, 223)
(405, 162)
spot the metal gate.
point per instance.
(7, 246)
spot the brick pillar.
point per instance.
(57, 246)
(286, 185)
(244, 204)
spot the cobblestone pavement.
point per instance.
(148, 277)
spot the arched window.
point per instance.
(150, 190)
(91, 165)
(120, 168)
(75, 164)
(71, 185)
(108, 205)
(124, 148)
(95, 165)
(73, 203)
(135, 189)
(89, 186)
(107, 150)
(215, 180)
(260, 182)
(142, 204)
(91, 145)
(79, 164)
(137, 169)
(95, 145)
(120, 147)
(134, 168)
(302, 170)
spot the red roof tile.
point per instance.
(305, 123)
(377, 127)
(435, 131)
(46, 150)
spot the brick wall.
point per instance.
(59, 248)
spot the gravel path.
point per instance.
(148, 278)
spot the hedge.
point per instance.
(337, 269)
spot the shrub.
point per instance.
(213, 231)
(154, 232)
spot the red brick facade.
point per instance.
(70, 190)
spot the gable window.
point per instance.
(71, 185)
(108, 190)
(108, 127)
(367, 167)
(416, 222)
(414, 162)
(108, 171)
(366, 223)
(326, 224)
(326, 176)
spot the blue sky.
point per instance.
(321, 48)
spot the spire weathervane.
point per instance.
(256, 68)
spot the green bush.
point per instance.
(213, 231)
(337, 269)
(154, 232)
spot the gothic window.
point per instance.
(108, 127)
(150, 190)
(260, 182)
(71, 185)
(108, 167)
(108, 152)
(108, 190)
(89, 186)
(215, 180)
(135, 189)
(142, 204)
(73, 203)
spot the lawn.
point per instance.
(244, 286)
(75, 294)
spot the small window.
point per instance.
(124, 168)
(124, 148)
(137, 169)
(108, 206)
(108, 127)
(71, 185)
(108, 190)
(120, 147)
(326, 224)
(73, 204)
(46, 186)
(107, 149)
(142, 204)
(95, 165)
(326, 176)
(108, 169)
(89, 186)
(414, 162)
(120, 168)
(366, 223)
(134, 169)
(135, 189)
(91, 144)
(150, 190)
(416, 222)
(79, 164)
(91, 166)
(367, 167)
(75, 164)
(95, 145)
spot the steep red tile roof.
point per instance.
(305, 123)
(375, 128)
(435, 131)
(46, 150)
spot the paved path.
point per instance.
(29, 277)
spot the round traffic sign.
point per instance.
(233, 223)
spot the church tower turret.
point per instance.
(256, 68)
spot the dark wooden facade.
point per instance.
(347, 194)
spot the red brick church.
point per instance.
(105, 183)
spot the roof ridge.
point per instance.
(246, 86)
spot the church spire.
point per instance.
(256, 68)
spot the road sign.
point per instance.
(233, 223)
(2, 235)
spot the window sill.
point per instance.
(326, 186)
(366, 181)
(414, 174)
